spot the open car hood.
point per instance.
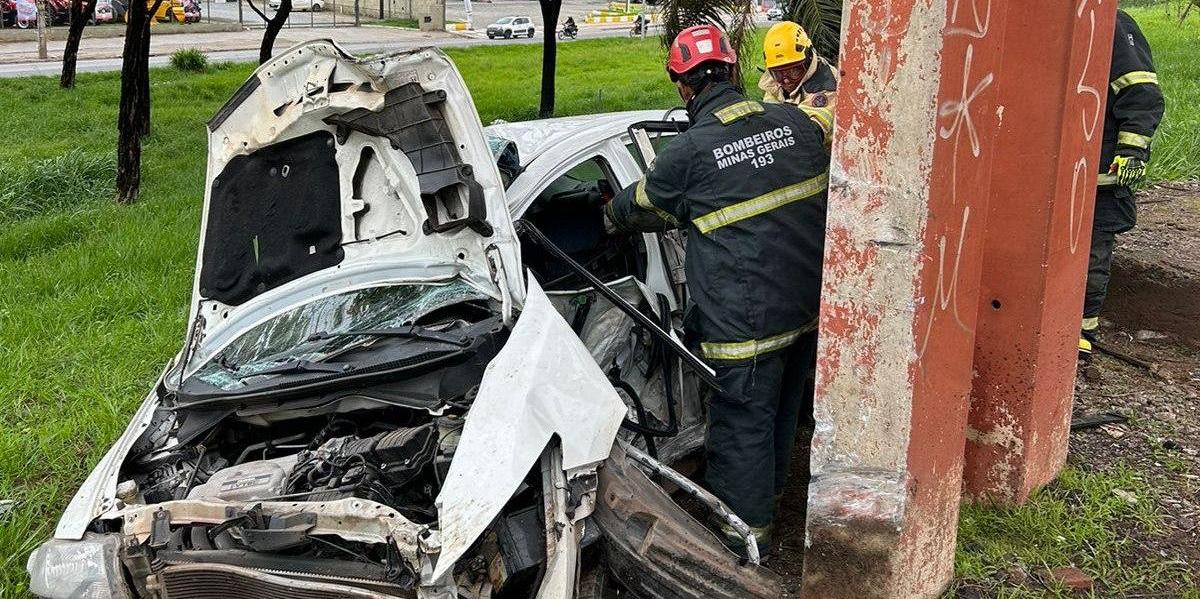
(328, 173)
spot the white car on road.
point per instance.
(775, 14)
(300, 5)
(511, 27)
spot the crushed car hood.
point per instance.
(328, 173)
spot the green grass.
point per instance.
(403, 23)
(1176, 150)
(1078, 521)
(94, 296)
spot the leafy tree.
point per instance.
(822, 19)
(735, 17)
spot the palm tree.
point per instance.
(822, 19)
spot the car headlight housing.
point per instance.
(86, 569)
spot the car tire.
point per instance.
(491, 37)
(531, 32)
(508, 34)
(317, 7)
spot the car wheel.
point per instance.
(491, 37)
(531, 32)
(508, 34)
(318, 7)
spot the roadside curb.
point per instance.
(616, 19)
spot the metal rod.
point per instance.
(700, 368)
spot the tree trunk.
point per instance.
(143, 109)
(133, 114)
(550, 10)
(41, 29)
(81, 10)
(274, 25)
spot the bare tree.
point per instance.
(81, 11)
(273, 25)
(550, 12)
(133, 113)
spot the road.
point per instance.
(18, 59)
(483, 12)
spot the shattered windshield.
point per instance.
(310, 333)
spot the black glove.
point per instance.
(1128, 169)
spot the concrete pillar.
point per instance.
(908, 199)
(430, 14)
(1053, 81)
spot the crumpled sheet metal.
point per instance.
(543, 383)
(661, 552)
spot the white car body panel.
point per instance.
(543, 383)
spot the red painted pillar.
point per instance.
(908, 201)
(1052, 84)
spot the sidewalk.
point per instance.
(224, 41)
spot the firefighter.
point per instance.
(748, 182)
(795, 74)
(1135, 107)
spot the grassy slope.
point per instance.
(94, 296)
(1177, 142)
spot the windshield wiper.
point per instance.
(409, 332)
(302, 366)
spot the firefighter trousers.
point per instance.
(752, 427)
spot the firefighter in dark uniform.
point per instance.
(748, 182)
(1135, 107)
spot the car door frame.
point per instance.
(541, 172)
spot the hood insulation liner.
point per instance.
(274, 216)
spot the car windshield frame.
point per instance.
(307, 333)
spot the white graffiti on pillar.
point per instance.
(961, 122)
(1078, 193)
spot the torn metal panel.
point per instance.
(660, 552)
(543, 383)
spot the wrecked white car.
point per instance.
(385, 391)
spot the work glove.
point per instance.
(1128, 169)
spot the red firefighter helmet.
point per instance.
(698, 44)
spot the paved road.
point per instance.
(482, 12)
(242, 46)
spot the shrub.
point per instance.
(189, 59)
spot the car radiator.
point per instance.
(221, 581)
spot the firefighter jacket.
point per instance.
(817, 95)
(1134, 109)
(748, 183)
